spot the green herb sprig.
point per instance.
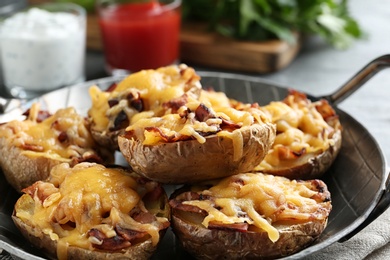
(269, 19)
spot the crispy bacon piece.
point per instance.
(129, 234)
(229, 125)
(202, 113)
(297, 97)
(135, 101)
(176, 103)
(112, 102)
(326, 110)
(178, 205)
(287, 154)
(63, 137)
(42, 115)
(240, 227)
(87, 158)
(40, 189)
(111, 87)
(121, 121)
(108, 244)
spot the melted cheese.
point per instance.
(299, 127)
(155, 87)
(84, 197)
(260, 200)
(46, 135)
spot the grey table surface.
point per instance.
(319, 70)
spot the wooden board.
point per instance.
(210, 49)
(202, 48)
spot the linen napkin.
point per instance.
(372, 243)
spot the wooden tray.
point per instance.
(198, 46)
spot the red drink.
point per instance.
(140, 35)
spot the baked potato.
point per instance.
(198, 139)
(249, 215)
(93, 212)
(143, 93)
(308, 139)
(30, 148)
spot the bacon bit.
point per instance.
(285, 153)
(141, 216)
(295, 96)
(178, 205)
(176, 103)
(326, 110)
(112, 87)
(128, 134)
(93, 158)
(30, 190)
(136, 102)
(323, 194)
(63, 137)
(202, 113)
(112, 102)
(108, 244)
(240, 227)
(129, 234)
(33, 147)
(229, 125)
(120, 122)
(41, 189)
(42, 115)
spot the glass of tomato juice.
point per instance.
(139, 34)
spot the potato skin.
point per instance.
(190, 161)
(104, 139)
(204, 243)
(20, 170)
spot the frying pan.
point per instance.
(358, 179)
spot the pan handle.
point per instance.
(359, 79)
(380, 207)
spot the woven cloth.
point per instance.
(372, 243)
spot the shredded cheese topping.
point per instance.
(262, 200)
(154, 87)
(88, 196)
(301, 131)
(62, 136)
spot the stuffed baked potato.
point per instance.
(308, 139)
(197, 139)
(249, 216)
(30, 148)
(93, 212)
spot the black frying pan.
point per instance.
(358, 179)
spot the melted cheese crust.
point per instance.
(154, 87)
(87, 196)
(262, 200)
(300, 128)
(44, 138)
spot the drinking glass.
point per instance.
(43, 48)
(139, 34)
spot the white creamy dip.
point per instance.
(42, 50)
